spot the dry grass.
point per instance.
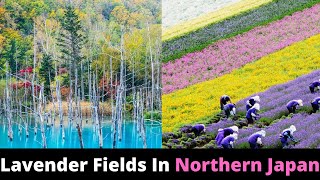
(86, 109)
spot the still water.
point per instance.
(131, 138)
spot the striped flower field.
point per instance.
(224, 56)
(271, 50)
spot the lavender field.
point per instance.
(307, 132)
(274, 119)
(274, 100)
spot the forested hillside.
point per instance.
(80, 58)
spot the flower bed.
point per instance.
(198, 40)
(198, 103)
(227, 55)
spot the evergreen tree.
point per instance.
(11, 56)
(71, 41)
(46, 73)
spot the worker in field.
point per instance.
(293, 105)
(315, 104)
(252, 114)
(314, 86)
(230, 109)
(224, 100)
(287, 135)
(222, 133)
(228, 142)
(252, 101)
(198, 129)
(255, 140)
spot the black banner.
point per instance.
(159, 163)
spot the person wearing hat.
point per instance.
(224, 100)
(222, 133)
(286, 135)
(228, 142)
(314, 86)
(252, 101)
(315, 104)
(255, 139)
(230, 109)
(252, 113)
(293, 105)
(198, 129)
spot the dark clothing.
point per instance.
(254, 146)
(248, 106)
(285, 136)
(223, 101)
(315, 107)
(249, 116)
(250, 120)
(313, 85)
(311, 89)
(228, 108)
(226, 146)
(315, 104)
(219, 138)
(251, 103)
(227, 132)
(226, 142)
(197, 129)
(292, 109)
(253, 141)
(292, 106)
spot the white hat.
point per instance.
(220, 129)
(256, 98)
(256, 106)
(262, 132)
(300, 102)
(204, 127)
(292, 129)
(234, 128)
(234, 135)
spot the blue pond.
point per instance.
(54, 139)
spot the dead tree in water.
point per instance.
(79, 121)
(59, 103)
(139, 115)
(40, 114)
(8, 108)
(117, 119)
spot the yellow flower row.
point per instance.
(216, 16)
(199, 102)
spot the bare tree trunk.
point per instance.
(40, 114)
(82, 83)
(121, 93)
(152, 72)
(33, 77)
(58, 92)
(79, 121)
(8, 108)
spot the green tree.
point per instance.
(46, 73)
(71, 41)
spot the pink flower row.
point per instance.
(226, 55)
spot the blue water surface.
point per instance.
(131, 138)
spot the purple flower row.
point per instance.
(274, 100)
(307, 132)
(226, 55)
